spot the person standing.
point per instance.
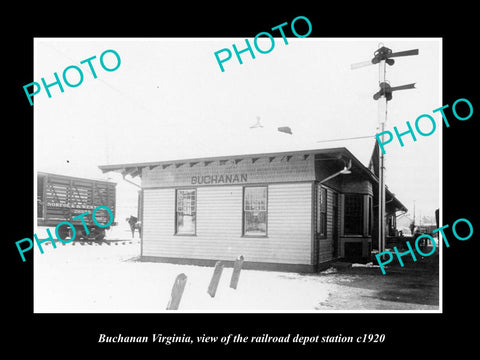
(132, 220)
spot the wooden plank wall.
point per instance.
(219, 225)
(248, 170)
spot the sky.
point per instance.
(169, 100)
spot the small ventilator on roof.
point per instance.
(285, 129)
(257, 124)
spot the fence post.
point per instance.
(217, 273)
(177, 292)
(236, 272)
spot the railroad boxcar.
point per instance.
(60, 198)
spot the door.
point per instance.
(335, 225)
(322, 248)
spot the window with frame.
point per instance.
(353, 214)
(255, 211)
(322, 212)
(186, 212)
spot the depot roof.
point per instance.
(339, 153)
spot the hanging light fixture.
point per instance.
(346, 170)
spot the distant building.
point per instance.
(289, 211)
(403, 224)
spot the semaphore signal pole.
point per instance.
(382, 57)
(382, 117)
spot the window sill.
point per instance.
(193, 235)
(254, 236)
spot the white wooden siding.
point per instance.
(219, 225)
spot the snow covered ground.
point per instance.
(110, 279)
(76, 278)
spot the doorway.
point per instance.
(335, 225)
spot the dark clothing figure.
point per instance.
(132, 220)
(139, 227)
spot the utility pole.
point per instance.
(382, 118)
(414, 211)
(383, 56)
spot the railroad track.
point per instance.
(97, 243)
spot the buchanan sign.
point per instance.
(219, 179)
(262, 170)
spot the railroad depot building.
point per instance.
(289, 211)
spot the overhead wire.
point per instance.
(349, 138)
